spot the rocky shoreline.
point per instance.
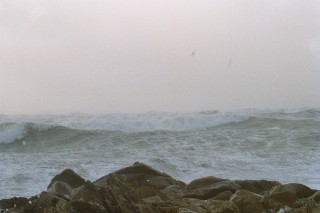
(142, 189)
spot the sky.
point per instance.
(117, 56)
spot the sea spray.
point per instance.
(281, 145)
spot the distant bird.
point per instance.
(193, 54)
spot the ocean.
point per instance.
(282, 145)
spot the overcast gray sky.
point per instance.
(106, 56)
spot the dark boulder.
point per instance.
(257, 186)
(247, 202)
(68, 176)
(202, 182)
(13, 202)
(212, 190)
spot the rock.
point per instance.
(257, 186)
(141, 168)
(60, 189)
(172, 192)
(221, 206)
(46, 202)
(289, 194)
(68, 176)
(223, 196)
(189, 204)
(202, 182)
(299, 190)
(145, 181)
(213, 190)
(13, 202)
(89, 193)
(316, 196)
(152, 200)
(248, 202)
(118, 194)
(142, 189)
(84, 207)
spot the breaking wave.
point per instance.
(15, 129)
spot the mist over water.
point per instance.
(177, 56)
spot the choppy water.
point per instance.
(281, 145)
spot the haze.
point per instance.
(117, 56)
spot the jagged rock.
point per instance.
(142, 189)
(202, 182)
(248, 202)
(68, 176)
(89, 193)
(119, 195)
(257, 186)
(221, 206)
(145, 181)
(46, 202)
(213, 190)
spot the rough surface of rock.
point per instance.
(142, 189)
(257, 186)
(221, 206)
(212, 190)
(13, 202)
(203, 182)
(299, 190)
(68, 176)
(223, 196)
(248, 202)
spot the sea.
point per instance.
(281, 145)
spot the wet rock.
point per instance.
(316, 196)
(152, 200)
(60, 189)
(173, 191)
(289, 194)
(119, 196)
(248, 202)
(213, 190)
(145, 181)
(68, 176)
(46, 202)
(221, 206)
(257, 186)
(203, 182)
(142, 189)
(84, 207)
(89, 193)
(190, 204)
(299, 190)
(223, 196)
(13, 202)
(140, 168)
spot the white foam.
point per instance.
(11, 131)
(135, 122)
